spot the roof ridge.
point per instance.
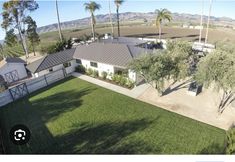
(41, 62)
(129, 51)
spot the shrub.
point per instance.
(89, 71)
(104, 75)
(123, 80)
(130, 84)
(95, 74)
(231, 141)
(80, 69)
(114, 78)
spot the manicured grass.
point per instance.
(74, 116)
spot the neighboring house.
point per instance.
(103, 57)
(13, 69)
(53, 62)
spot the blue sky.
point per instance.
(71, 10)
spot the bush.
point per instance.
(130, 84)
(80, 69)
(95, 74)
(89, 71)
(123, 80)
(231, 141)
(104, 75)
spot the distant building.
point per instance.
(198, 27)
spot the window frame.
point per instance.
(94, 64)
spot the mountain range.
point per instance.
(140, 17)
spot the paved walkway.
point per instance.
(134, 93)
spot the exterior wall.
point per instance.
(19, 67)
(132, 75)
(58, 67)
(101, 67)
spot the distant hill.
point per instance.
(134, 16)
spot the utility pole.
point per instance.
(110, 18)
(58, 17)
(208, 22)
(200, 36)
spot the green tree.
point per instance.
(10, 38)
(118, 3)
(14, 13)
(162, 14)
(171, 65)
(217, 69)
(92, 7)
(32, 34)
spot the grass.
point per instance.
(74, 116)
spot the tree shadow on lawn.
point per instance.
(52, 106)
(107, 138)
(214, 148)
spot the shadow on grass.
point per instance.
(106, 138)
(54, 105)
(214, 148)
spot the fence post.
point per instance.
(9, 90)
(45, 79)
(64, 72)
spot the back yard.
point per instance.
(74, 116)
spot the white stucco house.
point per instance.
(13, 69)
(111, 57)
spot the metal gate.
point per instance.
(12, 76)
(19, 91)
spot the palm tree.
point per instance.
(110, 18)
(92, 7)
(208, 22)
(162, 14)
(118, 3)
(58, 17)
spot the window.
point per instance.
(51, 69)
(78, 61)
(67, 64)
(94, 64)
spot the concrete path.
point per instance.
(134, 93)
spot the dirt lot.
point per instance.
(202, 107)
(150, 31)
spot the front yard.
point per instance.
(74, 116)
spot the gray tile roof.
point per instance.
(14, 60)
(124, 40)
(111, 53)
(114, 54)
(51, 60)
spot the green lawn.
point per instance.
(74, 116)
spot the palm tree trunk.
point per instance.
(208, 22)
(110, 18)
(160, 31)
(118, 22)
(200, 35)
(58, 18)
(92, 28)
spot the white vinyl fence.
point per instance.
(29, 86)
